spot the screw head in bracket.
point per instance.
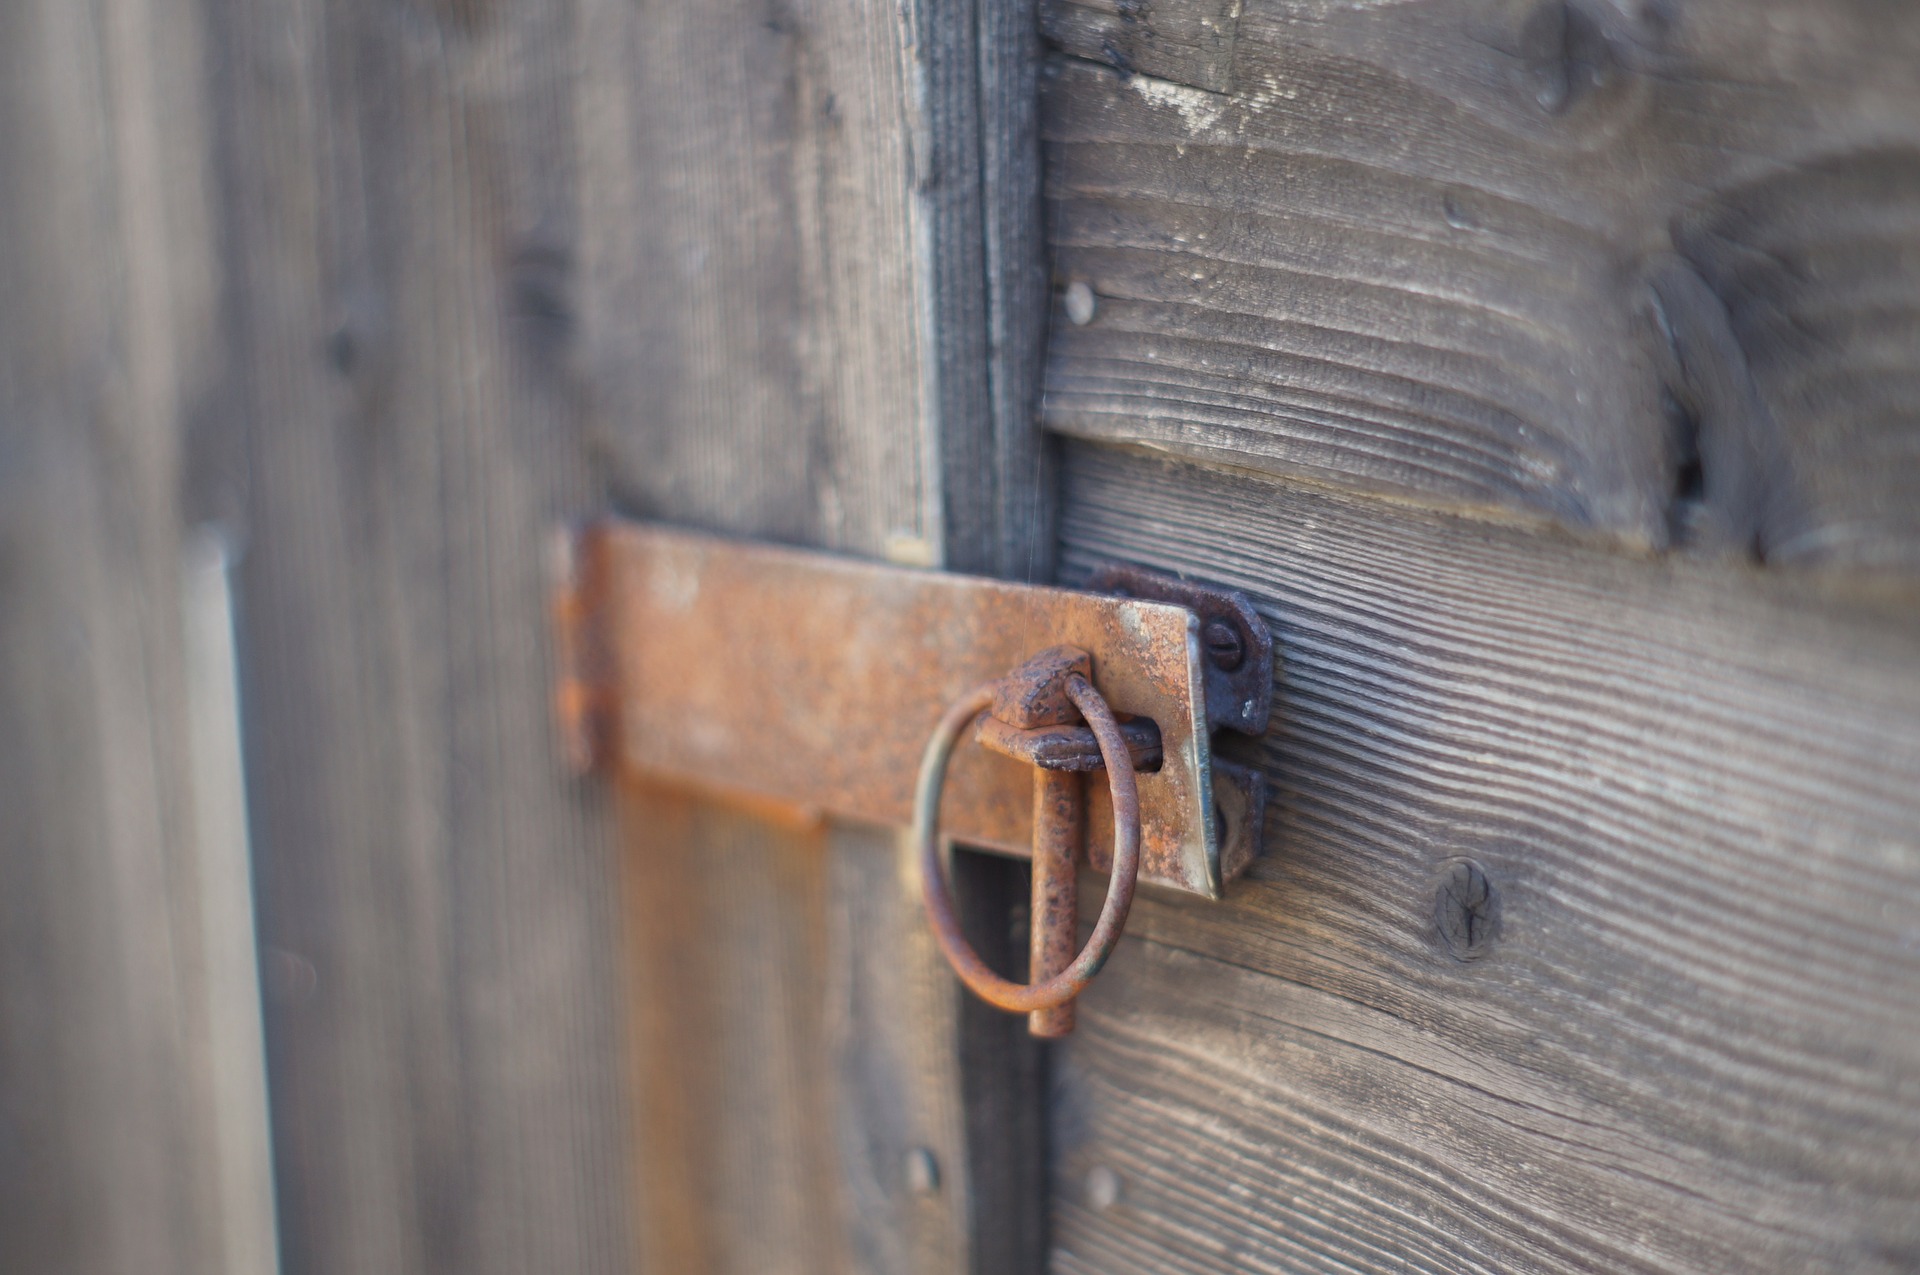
(1235, 644)
(1225, 648)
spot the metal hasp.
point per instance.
(814, 681)
(1049, 694)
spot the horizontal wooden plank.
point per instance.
(1655, 273)
(1687, 1034)
(1188, 42)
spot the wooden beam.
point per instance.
(813, 304)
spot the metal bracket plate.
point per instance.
(812, 681)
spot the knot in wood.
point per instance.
(1466, 908)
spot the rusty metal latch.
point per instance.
(815, 681)
(1027, 715)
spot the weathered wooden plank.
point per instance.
(749, 303)
(790, 1070)
(437, 898)
(117, 1140)
(1007, 530)
(493, 265)
(821, 232)
(1185, 43)
(1687, 1041)
(811, 300)
(1445, 250)
(1004, 1077)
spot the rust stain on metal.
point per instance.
(1033, 718)
(584, 690)
(1236, 642)
(1059, 823)
(1035, 694)
(750, 670)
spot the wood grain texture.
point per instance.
(822, 241)
(495, 267)
(438, 903)
(817, 230)
(794, 1044)
(1428, 249)
(1689, 1043)
(1006, 531)
(811, 296)
(1186, 43)
(112, 1154)
(750, 304)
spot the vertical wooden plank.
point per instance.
(808, 315)
(1005, 1074)
(798, 1091)
(734, 1113)
(110, 1116)
(1007, 101)
(908, 1171)
(436, 895)
(748, 291)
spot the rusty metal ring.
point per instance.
(1071, 981)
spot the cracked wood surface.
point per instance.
(1649, 269)
(1692, 1039)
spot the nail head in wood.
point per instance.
(1103, 1187)
(1080, 304)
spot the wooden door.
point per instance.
(1542, 370)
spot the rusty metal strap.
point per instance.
(814, 681)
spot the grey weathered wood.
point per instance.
(819, 237)
(749, 303)
(1695, 1040)
(1186, 43)
(492, 268)
(117, 1138)
(438, 902)
(811, 299)
(793, 1046)
(997, 473)
(1004, 1077)
(1427, 250)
